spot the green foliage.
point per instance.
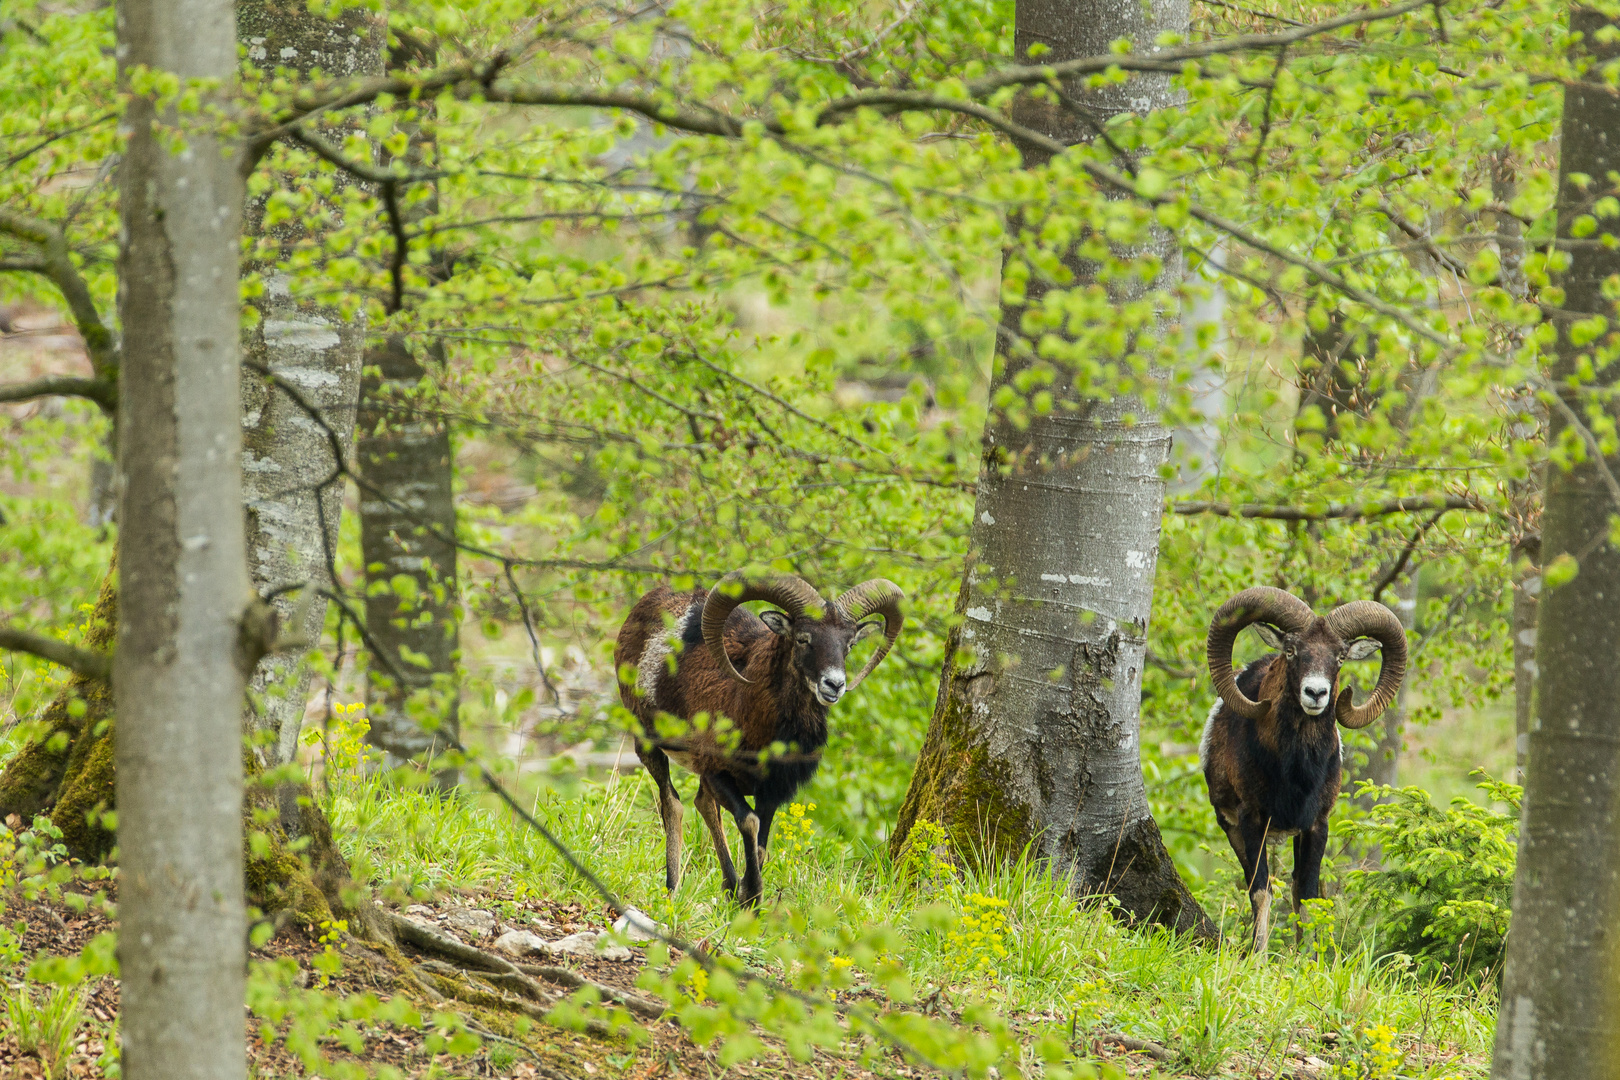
(693, 351)
(46, 1023)
(1371, 1055)
(304, 1021)
(1444, 894)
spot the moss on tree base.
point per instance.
(66, 771)
(293, 868)
(988, 817)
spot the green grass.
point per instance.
(1227, 1013)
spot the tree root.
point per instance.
(503, 975)
(649, 1008)
(1140, 1046)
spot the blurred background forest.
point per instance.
(663, 359)
(544, 304)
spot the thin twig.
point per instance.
(1399, 566)
(57, 260)
(764, 393)
(1592, 445)
(1329, 511)
(1265, 114)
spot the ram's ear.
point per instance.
(1361, 648)
(1269, 634)
(777, 621)
(866, 629)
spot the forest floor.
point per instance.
(1131, 1003)
(661, 1049)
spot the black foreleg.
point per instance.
(767, 813)
(1257, 878)
(1309, 848)
(669, 809)
(731, 797)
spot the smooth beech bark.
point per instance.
(294, 493)
(1560, 999)
(177, 676)
(1526, 611)
(1035, 740)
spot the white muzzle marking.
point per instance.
(829, 687)
(1314, 692)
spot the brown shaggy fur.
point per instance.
(693, 712)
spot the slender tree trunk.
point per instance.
(1330, 387)
(1383, 762)
(1525, 494)
(1526, 592)
(177, 675)
(407, 526)
(1560, 1006)
(294, 495)
(1035, 740)
(1195, 450)
(407, 517)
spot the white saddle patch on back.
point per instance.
(655, 655)
(1209, 728)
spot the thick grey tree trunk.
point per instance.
(408, 526)
(183, 581)
(292, 519)
(1035, 740)
(407, 522)
(1560, 999)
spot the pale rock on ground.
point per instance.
(637, 926)
(473, 922)
(523, 943)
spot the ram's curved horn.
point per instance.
(1259, 604)
(792, 594)
(869, 598)
(1367, 618)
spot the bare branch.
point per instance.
(1155, 61)
(58, 266)
(1334, 511)
(664, 109)
(1399, 566)
(102, 393)
(764, 393)
(92, 665)
(1410, 228)
(375, 174)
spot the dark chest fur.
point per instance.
(796, 719)
(1290, 769)
(803, 729)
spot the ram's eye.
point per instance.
(803, 639)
